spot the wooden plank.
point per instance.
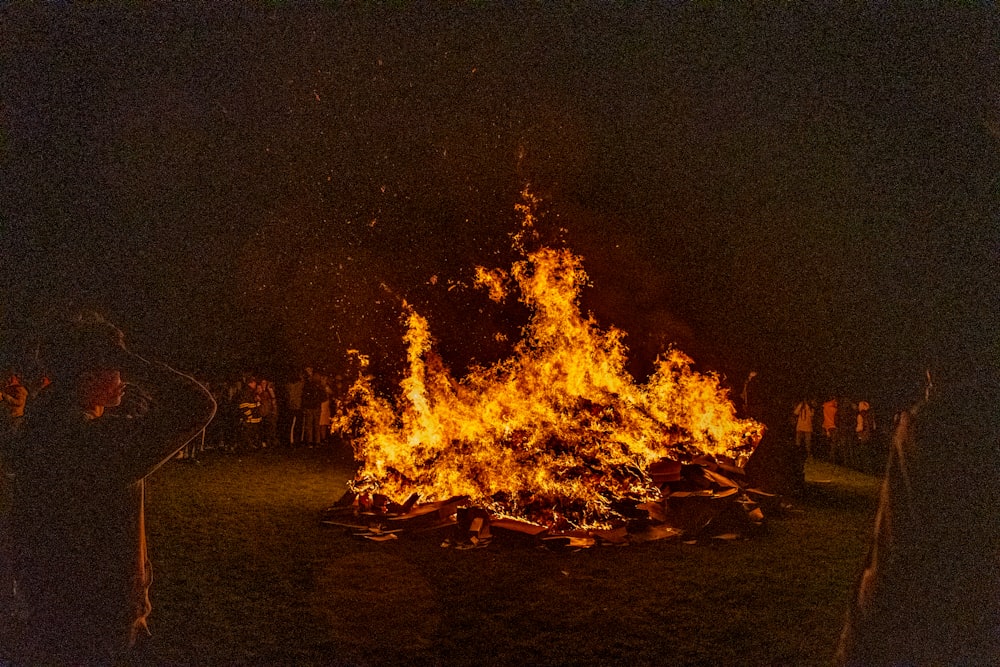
(654, 509)
(430, 512)
(656, 532)
(616, 536)
(569, 541)
(719, 478)
(410, 502)
(731, 468)
(665, 470)
(515, 526)
(702, 493)
(345, 524)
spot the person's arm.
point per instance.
(161, 411)
(19, 399)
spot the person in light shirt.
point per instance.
(804, 413)
(830, 428)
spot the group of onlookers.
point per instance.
(256, 413)
(848, 432)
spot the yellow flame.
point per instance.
(555, 433)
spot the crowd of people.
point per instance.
(76, 442)
(74, 569)
(847, 429)
(255, 412)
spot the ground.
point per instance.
(245, 573)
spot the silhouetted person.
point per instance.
(109, 419)
(248, 403)
(830, 409)
(804, 412)
(865, 433)
(268, 413)
(313, 395)
(928, 594)
(293, 409)
(14, 396)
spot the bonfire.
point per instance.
(557, 434)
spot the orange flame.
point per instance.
(556, 433)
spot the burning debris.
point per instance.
(700, 498)
(556, 439)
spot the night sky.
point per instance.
(810, 194)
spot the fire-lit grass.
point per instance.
(244, 573)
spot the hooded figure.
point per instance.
(109, 419)
(928, 594)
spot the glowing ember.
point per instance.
(559, 433)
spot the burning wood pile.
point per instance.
(556, 441)
(698, 499)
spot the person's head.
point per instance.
(101, 388)
(84, 356)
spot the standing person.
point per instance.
(248, 404)
(196, 445)
(14, 396)
(231, 415)
(830, 428)
(268, 413)
(324, 410)
(804, 412)
(865, 430)
(312, 404)
(38, 388)
(215, 434)
(109, 420)
(293, 397)
(846, 416)
(745, 394)
(927, 594)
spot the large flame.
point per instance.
(559, 433)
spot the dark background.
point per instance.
(811, 194)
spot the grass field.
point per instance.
(245, 573)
